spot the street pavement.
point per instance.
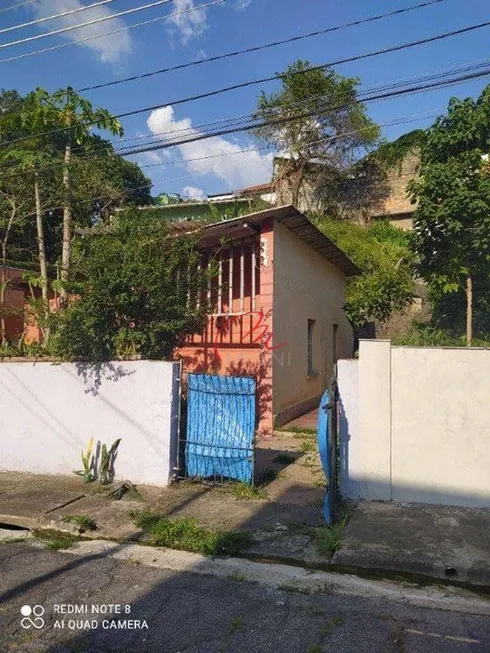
(124, 606)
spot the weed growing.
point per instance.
(186, 534)
(83, 522)
(55, 540)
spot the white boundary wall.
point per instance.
(49, 411)
(415, 424)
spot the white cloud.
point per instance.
(191, 23)
(108, 48)
(193, 193)
(151, 157)
(236, 167)
(242, 4)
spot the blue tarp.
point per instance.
(220, 427)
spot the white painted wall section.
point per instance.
(49, 411)
(415, 425)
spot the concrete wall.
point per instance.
(416, 425)
(306, 286)
(48, 412)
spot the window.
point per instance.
(311, 328)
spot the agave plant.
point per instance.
(88, 471)
(106, 469)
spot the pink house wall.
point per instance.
(242, 344)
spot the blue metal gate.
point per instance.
(220, 427)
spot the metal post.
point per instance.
(230, 281)
(254, 271)
(242, 276)
(220, 282)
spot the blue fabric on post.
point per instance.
(220, 427)
(324, 444)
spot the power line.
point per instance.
(115, 31)
(397, 121)
(202, 136)
(19, 4)
(70, 28)
(276, 77)
(46, 18)
(258, 48)
(255, 82)
(307, 114)
(246, 126)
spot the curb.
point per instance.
(285, 577)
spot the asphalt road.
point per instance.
(190, 613)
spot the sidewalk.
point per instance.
(420, 540)
(284, 517)
(282, 512)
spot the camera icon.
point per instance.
(32, 616)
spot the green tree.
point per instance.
(69, 112)
(334, 131)
(382, 253)
(451, 237)
(136, 291)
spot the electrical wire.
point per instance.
(397, 121)
(276, 77)
(19, 4)
(251, 124)
(308, 114)
(115, 31)
(258, 48)
(47, 18)
(95, 21)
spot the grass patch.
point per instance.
(243, 491)
(186, 534)
(316, 648)
(55, 540)
(295, 589)
(326, 538)
(331, 624)
(83, 522)
(329, 538)
(307, 446)
(236, 625)
(284, 459)
(299, 430)
(237, 577)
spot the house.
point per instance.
(223, 205)
(14, 307)
(277, 309)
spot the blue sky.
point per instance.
(231, 25)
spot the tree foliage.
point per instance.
(135, 292)
(451, 236)
(63, 176)
(382, 253)
(314, 117)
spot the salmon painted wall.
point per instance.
(19, 319)
(241, 345)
